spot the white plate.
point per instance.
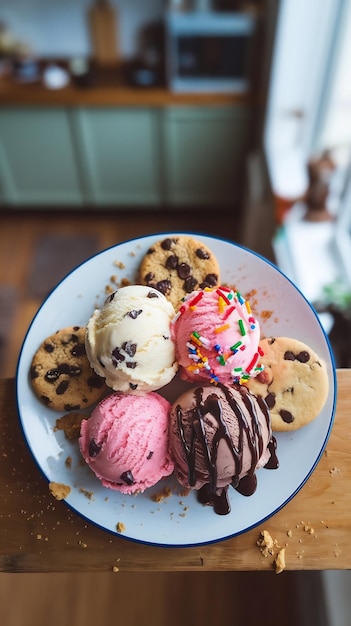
(175, 521)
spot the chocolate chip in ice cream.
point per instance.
(94, 449)
(127, 477)
(134, 314)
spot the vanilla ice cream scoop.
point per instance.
(128, 340)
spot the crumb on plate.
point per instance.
(120, 527)
(70, 423)
(59, 490)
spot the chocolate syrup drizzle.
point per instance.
(208, 494)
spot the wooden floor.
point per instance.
(137, 599)
(20, 231)
(127, 598)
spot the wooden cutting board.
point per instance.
(103, 28)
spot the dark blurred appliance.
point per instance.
(209, 51)
(147, 69)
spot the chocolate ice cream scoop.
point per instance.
(220, 436)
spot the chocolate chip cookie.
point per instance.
(60, 372)
(178, 265)
(294, 382)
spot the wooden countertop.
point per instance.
(108, 90)
(41, 534)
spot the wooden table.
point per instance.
(41, 534)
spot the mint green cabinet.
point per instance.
(37, 158)
(204, 154)
(119, 155)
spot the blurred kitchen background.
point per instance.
(227, 117)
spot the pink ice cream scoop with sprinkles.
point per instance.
(216, 337)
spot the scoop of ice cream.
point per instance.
(128, 341)
(220, 436)
(217, 337)
(126, 442)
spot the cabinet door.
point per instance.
(37, 161)
(204, 154)
(119, 154)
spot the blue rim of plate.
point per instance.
(159, 235)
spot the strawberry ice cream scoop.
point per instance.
(126, 442)
(217, 337)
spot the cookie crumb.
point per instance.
(120, 527)
(125, 282)
(59, 490)
(115, 569)
(70, 423)
(334, 471)
(289, 533)
(86, 493)
(266, 315)
(267, 546)
(280, 561)
(299, 554)
(337, 550)
(266, 543)
(161, 495)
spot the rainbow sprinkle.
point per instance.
(221, 329)
(195, 300)
(221, 304)
(221, 294)
(242, 327)
(228, 312)
(253, 362)
(236, 346)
